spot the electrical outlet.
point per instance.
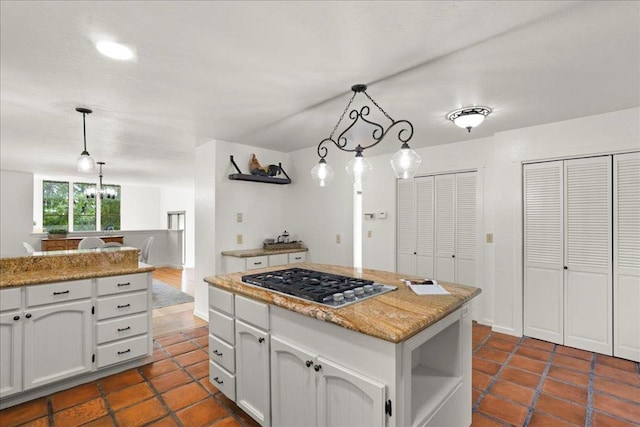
(239, 239)
(239, 217)
(337, 238)
(369, 233)
(489, 237)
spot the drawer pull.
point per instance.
(61, 293)
(124, 284)
(124, 329)
(298, 257)
(28, 316)
(219, 381)
(217, 353)
(124, 306)
(125, 351)
(16, 317)
(260, 340)
(257, 263)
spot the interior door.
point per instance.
(588, 251)
(424, 226)
(406, 244)
(466, 229)
(445, 228)
(543, 251)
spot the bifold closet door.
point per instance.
(445, 227)
(543, 251)
(588, 305)
(626, 256)
(424, 226)
(406, 228)
(466, 226)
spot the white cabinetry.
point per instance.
(252, 378)
(235, 264)
(222, 341)
(296, 257)
(10, 342)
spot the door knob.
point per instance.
(308, 363)
(317, 367)
(260, 340)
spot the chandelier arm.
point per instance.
(342, 116)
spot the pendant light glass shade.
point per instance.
(85, 162)
(359, 169)
(322, 173)
(405, 163)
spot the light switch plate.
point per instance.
(239, 217)
(338, 238)
(489, 237)
(239, 239)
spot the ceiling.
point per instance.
(278, 74)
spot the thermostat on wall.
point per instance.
(381, 215)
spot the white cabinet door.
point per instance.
(424, 226)
(466, 229)
(406, 228)
(626, 256)
(252, 372)
(588, 277)
(543, 251)
(57, 342)
(293, 385)
(346, 398)
(445, 228)
(11, 353)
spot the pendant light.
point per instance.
(405, 163)
(85, 162)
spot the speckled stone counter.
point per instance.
(394, 316)
(247, 253)
(56, 266)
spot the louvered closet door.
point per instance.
(543, 251)
(588, 286)
(445, 228)
(626, 256)
(406, 244)
(424, 226)
(465, 229)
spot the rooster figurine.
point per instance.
(257, 169)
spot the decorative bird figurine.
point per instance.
(257, 169)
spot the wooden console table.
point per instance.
(69, 243)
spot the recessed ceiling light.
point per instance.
(114, 50)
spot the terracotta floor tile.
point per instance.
(565, 391)
(505, 337)
(208, 386)
(170, 339)
(480, 327)
(480, 380)
(120, 381)
(185, 395)
(571, 363)
(159, 354)
(500, 344)
(191, 357)
(475, 394)
(24, 412)
(574, 352)
(598, 419)
(503, 410)
(80, 414)
(539, 419)
(527, 364)
(156, 369)
(533, 353)
(479, 336)
(568, 376)
(198, 332)
(492, 354)
(539, 344)
(164, 422)
(486, 366)
(479, 420)
(227, 422)
(180, 348)
(616, 362)
(106, 421)
(199, 370)
(518, 376)
(141, 414)
(568, 411)
(617, 388)
(202, 414)
(73, 396)
(618, 374)
(202, 341)
(170, 380)
(619, 408)
(38, 422)
(129, 396)
(512, 391)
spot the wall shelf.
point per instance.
(258, 178)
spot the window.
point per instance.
(84, 208)
(55, 205)
(110, 204)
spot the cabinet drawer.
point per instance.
(118, 284)
(278, 259)
(125, 327)
(221, 326)
(224, 381)
(297, 257)
(257, 262)
(121, 305)
(10, 299)
(221, 300)
(121, 351)
(222, 353)
(58, 292)
(254, 312)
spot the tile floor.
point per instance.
(516, 381)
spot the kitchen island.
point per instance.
(396, 359)
(70, 317)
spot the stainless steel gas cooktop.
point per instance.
(328, 289)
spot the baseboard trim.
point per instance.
(507, 331)
(203, 316)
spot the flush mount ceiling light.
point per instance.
(469, 117)
(405, 162)
(114, 50)
(109, 193)
(85, 162)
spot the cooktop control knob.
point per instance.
(359, 291)
(377, 287)
(349, 294)
(338, 297)
(368, 289)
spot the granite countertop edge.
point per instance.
(246, 253)
(43, 277)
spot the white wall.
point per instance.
(16, 219)
(141, 208)
(181, 199)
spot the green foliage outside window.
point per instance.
(84, 208)
(110, 210)
(55, 205)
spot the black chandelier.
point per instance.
(101, 192)
(405, 162)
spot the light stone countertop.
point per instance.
(246, 253)
(394, 316)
